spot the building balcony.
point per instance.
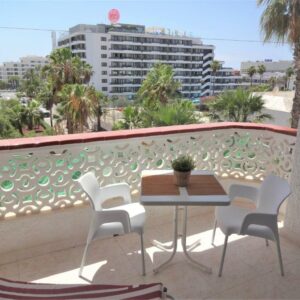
(45, 215)
(78, 50)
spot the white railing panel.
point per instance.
(43, 178)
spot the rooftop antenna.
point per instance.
(53, 36)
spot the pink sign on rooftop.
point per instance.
(114, 15)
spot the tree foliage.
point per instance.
(31, 83)
(132, 118)
(16, 117)
(261, 69)
(13, 82)
(215, 67)
(178, 112)
(9, 119)
(63, 69)
(3, 85)
(251, 71)
(288, 73)
(78, 103)
(237, 106)
(159, 86)
(12, 110)
(32, 116)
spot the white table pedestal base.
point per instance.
(185, 248)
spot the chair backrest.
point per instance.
(273, 191)
(90, 185)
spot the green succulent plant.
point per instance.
(183, 163)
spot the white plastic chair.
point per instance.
(261, 222)
(118, 220)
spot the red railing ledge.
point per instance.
(43, 141)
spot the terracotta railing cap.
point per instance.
(44, 141)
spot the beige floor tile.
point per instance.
(107, 262)
(267, 286)
(46, 265)
(266, 258)
(184, 281)
(10, 271)
(292, 270)
(250, 271)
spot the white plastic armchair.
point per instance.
(261, 222)
(126, 218)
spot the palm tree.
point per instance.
(251, 71)
(6, 128)
(215, 67)
(237, 106)
(281, 20)
(261, 69)
(101, 100)
(272, 82)
(179, 112)
(68, 69)
(79, 103)
(31, 115)
(31, 83)
(3, 85)
(288, 73)
(11, 110)
(132, 118)
(64, 69)
(45, 96)
(159, 86)
(13, 82)
(82, 71)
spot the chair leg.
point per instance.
(143, 255)
(279, 255)
(214, 232)
(83, 259)
(223, 255)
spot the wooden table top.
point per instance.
(163, 184)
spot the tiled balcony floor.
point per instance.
(251, 269)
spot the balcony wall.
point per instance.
(42, 207)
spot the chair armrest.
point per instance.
(117, 215)
(116, 190)
(256, 218)
(244, 191)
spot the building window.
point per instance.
(103, 47)
(104, 72)
(104, 89)
(103, 38)
(104, 64)
(103, 56)
(104, 80)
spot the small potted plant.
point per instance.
(182, 166)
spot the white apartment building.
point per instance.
(271, 66)
(8, 69)
(122, 54)
(227, 79)
(274, 69)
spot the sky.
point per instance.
(210, 20)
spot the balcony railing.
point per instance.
(38, 174)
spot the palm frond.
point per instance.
(278, 20)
